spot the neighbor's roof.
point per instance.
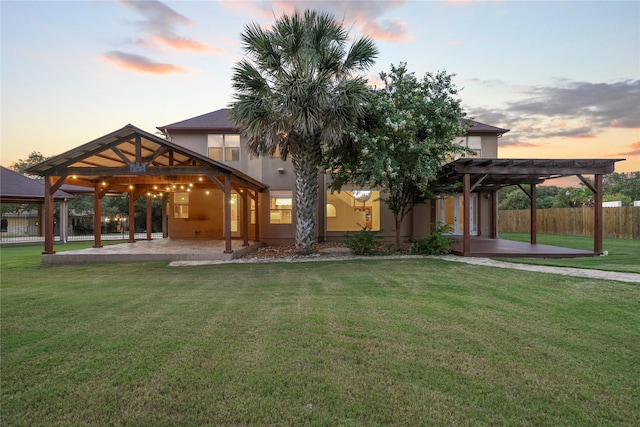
(215, 120)
(17, 188)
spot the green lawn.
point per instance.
(363, 342)
(624, 254)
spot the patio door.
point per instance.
(451, 211)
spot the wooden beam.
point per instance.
(587, 183)
(149, 171)
(215, 180)
(525, 191)
(55, 186)
(479, 181)
(149, 216)
(122, 156)
(227, 215)
(494, 214)
(48, 216)
(138, 142)
(535, 170)
(466, 236)
(245, 217)
(160, 151)
(533, 227)
(597, 217)
(132, 217)
(257, 216)
(97, 216)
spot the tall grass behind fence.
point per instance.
(622, 222)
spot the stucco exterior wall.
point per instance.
(279, 175)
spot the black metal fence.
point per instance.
(26, 226)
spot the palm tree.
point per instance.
(297, 89)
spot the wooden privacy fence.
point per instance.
(622, 222)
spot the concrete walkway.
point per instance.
(486, 262)
(566, 271)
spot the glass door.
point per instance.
(451, 211)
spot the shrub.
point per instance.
(438, 243)
(363, 242)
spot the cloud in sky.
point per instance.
(139, 63)
(572, 109)
(634, 150)
(392, 30)
(159, 22)
(158, 29)
(366, 16)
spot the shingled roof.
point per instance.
(17, 188)
(219, 120)
(477, 127)
(215, 120)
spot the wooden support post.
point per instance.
(479, 214)
(227, 214)
(257, 217)
(494, 214)
(433, 214)
(598, 217)
(48, 216)
(533, 227)
(466, 236)
(97, 216)
(64, 221)
(149, 216)
(165, 219)
(132, 217)
(245, 217)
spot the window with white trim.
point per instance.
(280, 206)
(224, 147)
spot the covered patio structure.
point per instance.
(469, 175)
(130, 160)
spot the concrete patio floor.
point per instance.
(154, 250)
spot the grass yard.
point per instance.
(624, 254)
(363, 342)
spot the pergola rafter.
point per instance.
(474, 175)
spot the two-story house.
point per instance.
(215, 136)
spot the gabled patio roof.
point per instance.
(130, 154)
(134, 161)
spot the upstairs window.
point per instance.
(474, 143)
(224, 147)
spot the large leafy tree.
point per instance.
(410, 128)
(297, 89)
(21, 165)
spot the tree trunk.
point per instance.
(398, 220)
(305, 166)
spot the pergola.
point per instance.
(130, 160)
(469, 175)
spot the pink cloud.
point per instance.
(393, 30)
(181, 43)
(635, 150)
(140, 63)
(516, 144)
(457, 43)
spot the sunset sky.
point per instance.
(564, 76)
